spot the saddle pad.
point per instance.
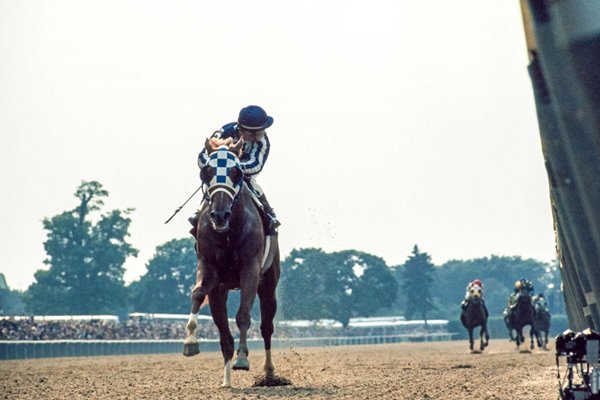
(269, 253)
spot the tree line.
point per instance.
(86, 249)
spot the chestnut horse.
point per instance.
(233, 253)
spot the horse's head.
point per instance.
(540, 302)
(475, 292)
(524, 297)
(223, 178)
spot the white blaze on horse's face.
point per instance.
(223, 177)
(541, 302)
(475, 292)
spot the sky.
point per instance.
(397, 122)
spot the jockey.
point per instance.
(512, 299)
(475, 282)
(250, 126)
(540, 300)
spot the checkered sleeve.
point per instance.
(258, 157)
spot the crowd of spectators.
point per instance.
(97, 329)
(140, 328)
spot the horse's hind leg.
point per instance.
(483, 337)
(218, 309)
(535, 332)
(268, 308)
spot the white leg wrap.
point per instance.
(227, 374)
(269, 368)
(192, 324)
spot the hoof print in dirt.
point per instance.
(270, 380)
(461, 366)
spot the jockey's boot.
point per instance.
(194, 222)
(271, 220)
(463, 305)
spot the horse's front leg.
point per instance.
(218, 310)
(268, 308)
(520, 337)
(249, 278)
(191, 346)
(470, 330)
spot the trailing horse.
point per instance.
(233, 253)
(521, 314)
(542, 319)
(475, 314)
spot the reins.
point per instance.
(181, 206)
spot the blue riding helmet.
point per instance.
(254, 118)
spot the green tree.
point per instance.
(11, 302)
(498, 274)
(86, 259)
(170, 277)
(340, 285)
(417, 284)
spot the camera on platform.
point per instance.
(582, 353)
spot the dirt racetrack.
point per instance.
(439, 370)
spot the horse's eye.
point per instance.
(206, 174)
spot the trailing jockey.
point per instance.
(251, 127)
(512, 299)
(476, 282)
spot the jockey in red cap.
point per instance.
(472, 284)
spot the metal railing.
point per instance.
(22, 349)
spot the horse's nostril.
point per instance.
(213, 214)
(227, 215)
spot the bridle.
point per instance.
(222, 161)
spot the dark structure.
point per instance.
(563, 40)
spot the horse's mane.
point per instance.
(216, 142)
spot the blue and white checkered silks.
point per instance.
(223, 161)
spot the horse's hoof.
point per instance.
(241, 364)
(191, 349)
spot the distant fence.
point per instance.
(497, 327)
(20, 349)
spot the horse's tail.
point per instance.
(205, 302)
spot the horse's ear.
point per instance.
(207, 146)
(237, 148)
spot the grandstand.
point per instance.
(89, 335)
